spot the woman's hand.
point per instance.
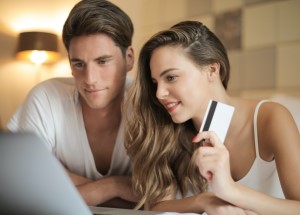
(212, 159)
(216, 206)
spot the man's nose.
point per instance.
(90, 75)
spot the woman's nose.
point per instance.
(161, 91)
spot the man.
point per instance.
(80, 118)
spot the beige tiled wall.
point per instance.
(259, 26)
(269, 57)
(288, 65)
(258, 68)
(288, 21)
(221, 5)
(266, 52)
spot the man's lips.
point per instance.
(170, 106)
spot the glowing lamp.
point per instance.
(38, 47)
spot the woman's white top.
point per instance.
(263, 175)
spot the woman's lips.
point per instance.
(170, 106)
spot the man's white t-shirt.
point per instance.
(52, 110)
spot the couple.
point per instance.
(82, 121)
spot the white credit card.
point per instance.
(217, 118)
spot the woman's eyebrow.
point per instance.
(166, 71)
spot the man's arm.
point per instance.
(113, 191)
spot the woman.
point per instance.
(180, 70)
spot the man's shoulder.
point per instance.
(55, 85)
(52, 90)
(63, 81)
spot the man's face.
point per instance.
(99, 69)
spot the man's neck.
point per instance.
(104, 118)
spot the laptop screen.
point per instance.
(32, 180)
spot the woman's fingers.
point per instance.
(207, 137)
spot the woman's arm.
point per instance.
(204, 202)
(278, 135)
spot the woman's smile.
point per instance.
(171, 106)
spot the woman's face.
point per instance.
(182, 86)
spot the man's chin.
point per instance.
(97, 106)
(94, 104)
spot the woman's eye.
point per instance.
(171, 78)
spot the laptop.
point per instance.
(33, 181)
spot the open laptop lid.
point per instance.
(32, 180)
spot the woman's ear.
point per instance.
(129, 58)
(213, 71)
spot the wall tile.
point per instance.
(288, 64)
(289, 16)
(228, 28)
(259, 25)
(248, 2)
(197, 7)
(258, 68)
(236, 72)
(151, 13)
(220, 6)
(173, 10)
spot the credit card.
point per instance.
(217, 118)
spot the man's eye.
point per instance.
(104, 61)
(78, 65)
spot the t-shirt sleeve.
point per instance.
(35, 115)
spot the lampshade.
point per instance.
(39, 47)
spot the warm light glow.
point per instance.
(37, 16)
(38, 57)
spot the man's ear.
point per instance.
(213, 71)
(129, 58)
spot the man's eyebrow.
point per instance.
(103, 57)
(75, 59)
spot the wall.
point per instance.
(262, 38)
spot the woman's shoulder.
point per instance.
(270, 111)
(265, 108)
(276, 123)
(269, 116)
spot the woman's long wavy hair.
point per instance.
(161, 151)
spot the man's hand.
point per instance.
(115, 188)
